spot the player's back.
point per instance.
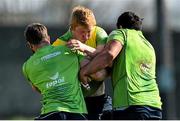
(54, 71)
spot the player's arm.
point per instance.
(98, 76)
(34, 88)
(26, 76)
(92, 54)
(89, 51)
(101, 37)
(101, 61)
(75, 44)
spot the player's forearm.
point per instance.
(35, 89)
(92, 52)
(100, 75)
(100, 62)
(89, 50)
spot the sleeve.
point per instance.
(81, 56)
(63, 39)
(24, 70)
(118, 35)
(101, 36)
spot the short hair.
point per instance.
(35, 33)
(82, 16)
(129, 20)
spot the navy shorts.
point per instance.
(138, 113)
(99, 107)
(61, 116)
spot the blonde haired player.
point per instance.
(85, 36)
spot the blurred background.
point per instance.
(161, 27)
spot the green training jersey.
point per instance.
(54, 71)
(133, 76)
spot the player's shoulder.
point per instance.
(27, 63)
(100, 31)
(62, 48)
(118, 31)
(98, 28)
(66, 36)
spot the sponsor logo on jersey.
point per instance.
(56, 79)
(49, 56)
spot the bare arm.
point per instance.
(98, 49)
(35, 89)
(98, 76)
(101, 61)
(77, 45)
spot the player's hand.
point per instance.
(76, 45)
(83, 77)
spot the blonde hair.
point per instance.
(82, 16)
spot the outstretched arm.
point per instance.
(101, 61)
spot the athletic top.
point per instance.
(97, 37)
(133, 76)
(54, 71)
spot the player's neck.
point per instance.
(41, 45)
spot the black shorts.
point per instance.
(138, 113)
(61, 116)
(99, 107)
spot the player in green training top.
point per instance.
(90, 39)
(53, 71)
(135, 91)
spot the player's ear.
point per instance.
(119, 27)
(49, 38)
(29, 45)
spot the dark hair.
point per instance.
(35, 33)
(129, 20)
